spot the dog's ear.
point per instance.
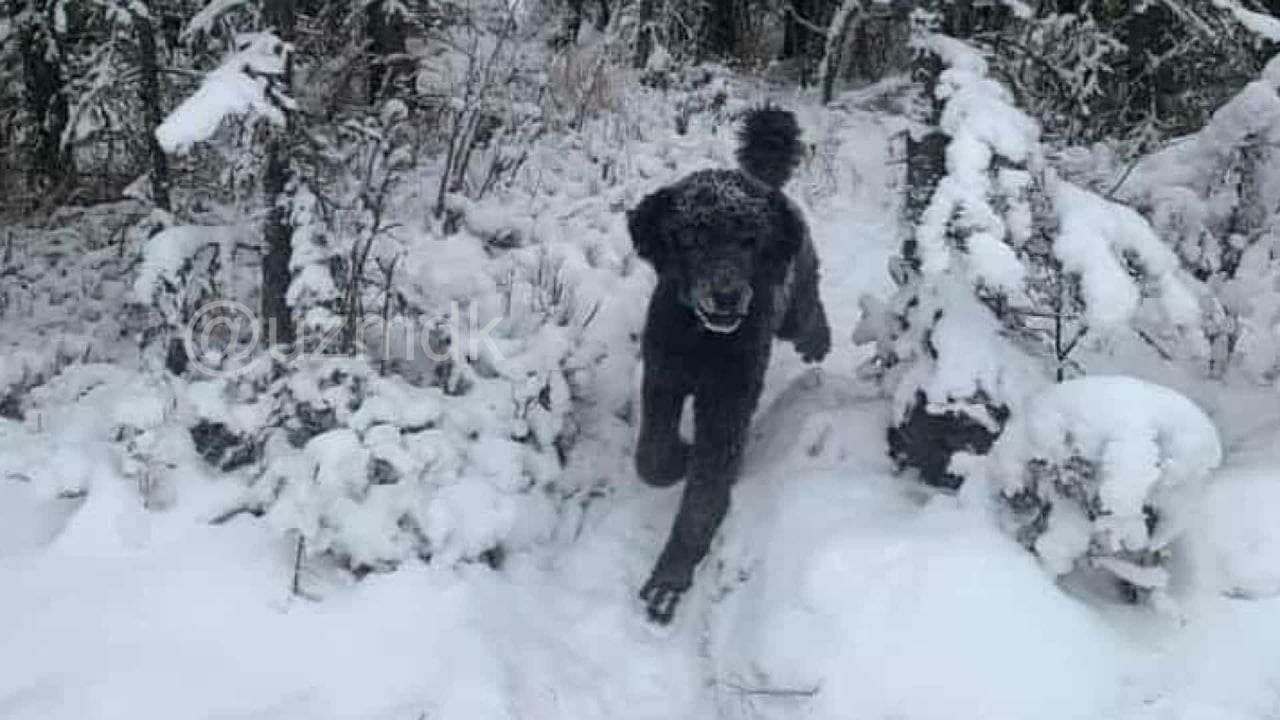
(647, 223)
(789, 230)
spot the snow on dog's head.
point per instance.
(724, 236)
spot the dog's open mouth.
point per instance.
(717, 322)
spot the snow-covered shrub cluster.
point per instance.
(372, 471)
(345, 248)
(1105, 472)
(183, 269)
(105, 416)
(64, 286)
(1213, 197)
(465, 462)
(1005, 270)
(1073, 66)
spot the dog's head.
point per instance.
(719, 235)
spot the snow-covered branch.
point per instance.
(1264, 26)
(244, 84)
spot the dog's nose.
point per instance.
(727, 299)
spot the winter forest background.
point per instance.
(319, 351)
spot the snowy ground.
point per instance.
(837, 590)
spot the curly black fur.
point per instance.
(736, 267)
(769, 145)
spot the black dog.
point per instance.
(735, 267)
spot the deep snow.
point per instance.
(836, 590)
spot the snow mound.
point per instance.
(1240, 532)
(864, 599)
(1105, 469)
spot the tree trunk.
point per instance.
(1147, 34)
(149, 66)
(277, 320)
(791, 34)
(280, 16)
(644, 35)
(388, 36)
(806, 35)
(833, 51)
(879, 43)
(604, 16)
(278, 235)
(925, 155)
(45, 94)
(720, 29)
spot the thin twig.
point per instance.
(1071, 345)
(773, 692)
(804, 22)
(1164, 354)
(299, 555)
(1110, 194)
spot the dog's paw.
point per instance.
(661, 595)
(663, 467)
(815, 345)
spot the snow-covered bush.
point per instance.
(372, 471)
(365, 468)
(1105, 472)
(581, 82)
(477, 78)
(64, 287)
(182, 271)
(1213, 196)
(344, 247)
(1003, 272)
(98, 423)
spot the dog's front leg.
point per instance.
(661, 455)
(721, 424)
(805, 320)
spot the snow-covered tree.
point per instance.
(1002, 245)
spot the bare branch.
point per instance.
(804, 22)
(772, 692)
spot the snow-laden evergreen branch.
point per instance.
(244, 84)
